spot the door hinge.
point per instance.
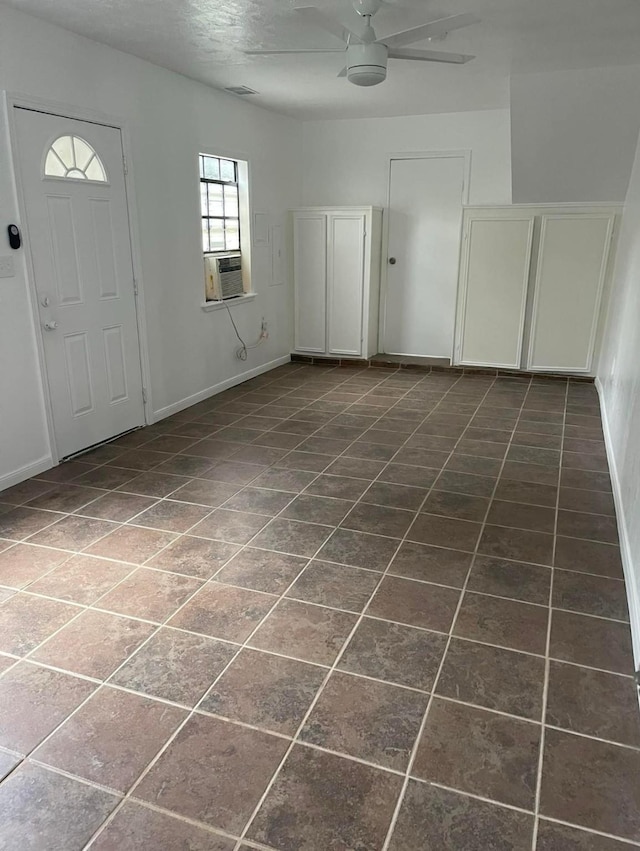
(135, 286)
(125, 165)
(144, 394)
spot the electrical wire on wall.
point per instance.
(242, 352)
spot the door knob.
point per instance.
(50, 326)
(392, 261)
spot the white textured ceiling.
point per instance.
(204, 39)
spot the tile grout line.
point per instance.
(547, 664)
(137, 565)
(320, 426)
(146, 564)
(49, 666)
(196, 523)
(355, 626)
(12, 542)
(102, 683)
(344, 645)
(191, 713)
(422, 727)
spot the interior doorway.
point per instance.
(426, 194)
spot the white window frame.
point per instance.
(224, 218)
(244, 191)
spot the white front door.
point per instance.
(425, 218)
(78, 232)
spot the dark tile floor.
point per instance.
(329, 609)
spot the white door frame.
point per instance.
(465, 154)
(62, 110)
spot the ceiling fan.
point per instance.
(366, 54)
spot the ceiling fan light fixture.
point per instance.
(367, 54)
(367, 64)
(366, 75)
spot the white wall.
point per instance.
(573, 134)
(619, 385)
(24, 442)
(346, 161)
(170, 119)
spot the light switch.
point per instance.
(7, 267)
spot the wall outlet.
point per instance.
(7, 267)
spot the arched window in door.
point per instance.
(73, 158)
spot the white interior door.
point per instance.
(73, 183)
(425, 217)
(345, 283)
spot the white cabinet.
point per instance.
(531, 285)
(310, 277)
(336, 272)
(495, 271)
(572, 264)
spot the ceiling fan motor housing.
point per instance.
(367, 64)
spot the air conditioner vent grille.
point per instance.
(223, 277)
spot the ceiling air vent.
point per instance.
(240, 90)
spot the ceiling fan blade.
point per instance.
(301, 50)
(431, 56)
(318, 18)
(430, 30)
(343, 73)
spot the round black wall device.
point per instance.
(15, 240)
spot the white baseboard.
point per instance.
(218, 388)
(630, 576)
(33, 469)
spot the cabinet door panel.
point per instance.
(310, 277)
(571, 268)
(345, 282)
(494, 291)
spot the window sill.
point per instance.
(208, 306)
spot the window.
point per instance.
(71, 157)
(219, 204)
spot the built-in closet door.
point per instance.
(345, 282)
(571, 268)
(495, 271)
(310, 281)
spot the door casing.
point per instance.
(11, 101)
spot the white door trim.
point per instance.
(15, 100)
(465, 154)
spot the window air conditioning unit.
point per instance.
(223, 276)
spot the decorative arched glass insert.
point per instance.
(72, 157)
